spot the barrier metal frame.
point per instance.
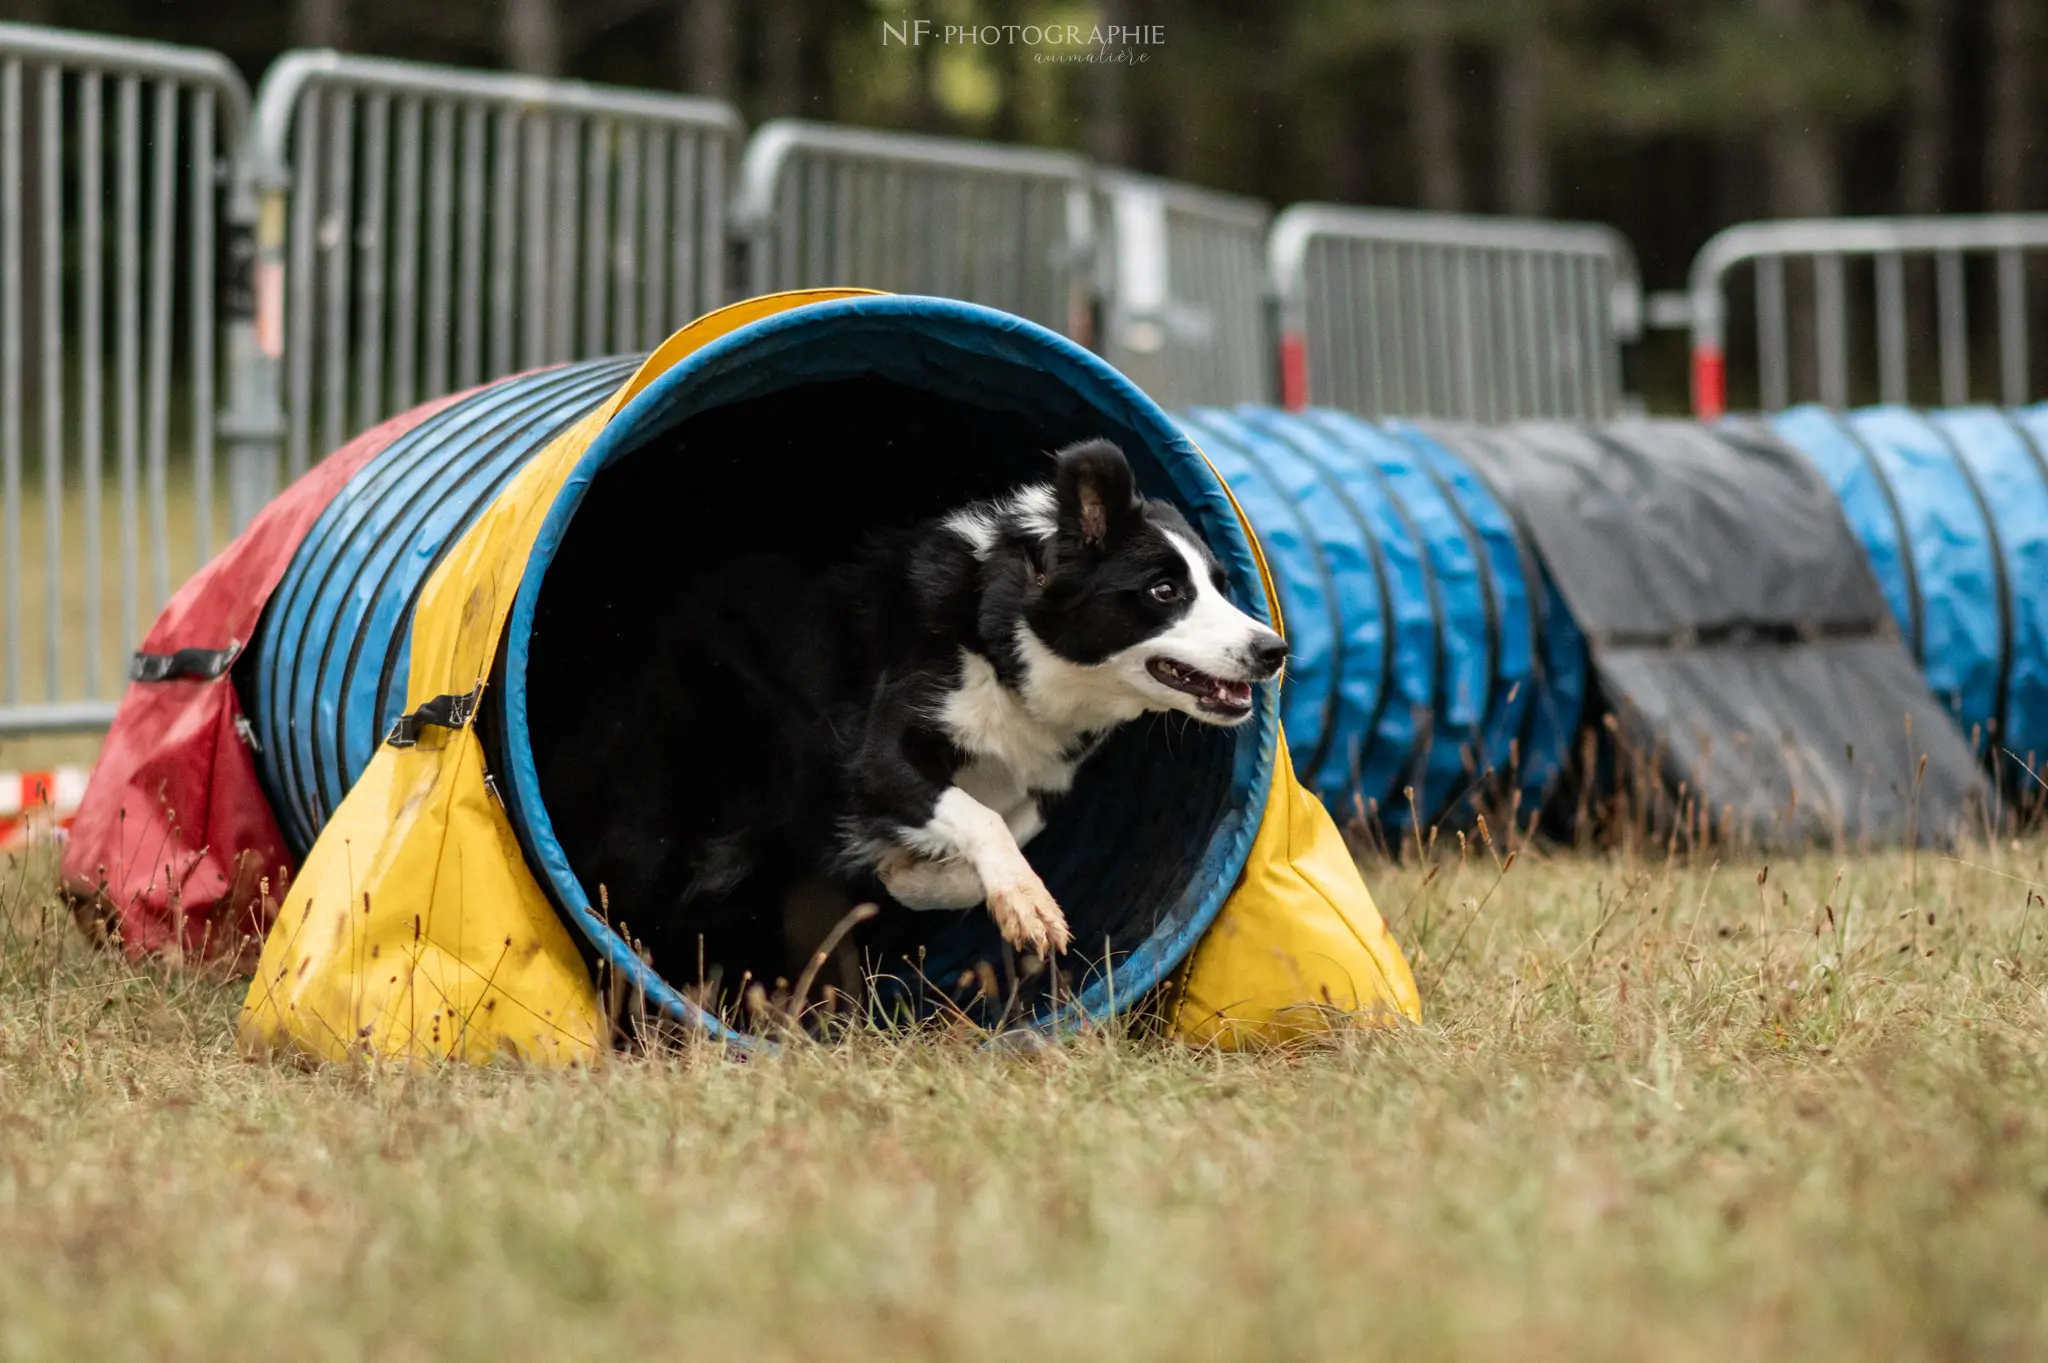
(794, 168)
(1186, 310)
(1829, 242)
(124, 334)
(605, 230)
(1571, 290)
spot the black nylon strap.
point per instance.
(187, 664)
(442, 712)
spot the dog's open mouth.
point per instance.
(1213, 695)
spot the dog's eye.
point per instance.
(1164, 590)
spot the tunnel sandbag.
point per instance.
(916, 402)
(1737, 631)
(1428, 670)
(1951, 507)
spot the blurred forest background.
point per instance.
(1666, 118)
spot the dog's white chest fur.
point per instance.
(1015, 756)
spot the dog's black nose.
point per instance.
(1268, 653)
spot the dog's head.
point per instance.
(1128, 604)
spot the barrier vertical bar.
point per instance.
(596, 235)
(157, 412)
(205, 390)
(710, 274)
(2012, 327)
(404, 318)
(686, 286)
(336, 243)
(1955, 340)
(440, 282)
(536, 230)
(303, 274)
(654, 228)
(10, 369)
(368, 240)
(91, 297)
(560, 309)
(1774, 385)
(469, 274)
(50, 361)
(127, 336)
(1892, 383)
(626, 268)
(1831, 323)
(504, 170)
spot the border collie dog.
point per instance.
(906, 715)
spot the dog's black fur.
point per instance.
(788, 721)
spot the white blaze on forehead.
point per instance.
(1214, 635)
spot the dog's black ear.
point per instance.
(1094, 491)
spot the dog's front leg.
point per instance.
(918, 882)
(903, 798)
(962, 827)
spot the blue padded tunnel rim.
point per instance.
(929, 326)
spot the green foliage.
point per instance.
(1736, 75)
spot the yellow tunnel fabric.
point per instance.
(416, 929)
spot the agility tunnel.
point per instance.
(1468, 603)
(1434, 670)
(1951, 508)
(432, 627)
(351, 736)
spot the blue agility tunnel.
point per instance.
(801, 430)
(1433, 664)
(1951, 507)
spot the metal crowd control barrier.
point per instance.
(1392, 313)
(425, 229)
(1887, 242)
(119, 161)
(1008, 227)
(1183, 287)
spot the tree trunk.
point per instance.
(925, 112)
(704, 47)
(1799, 151)
(1109, 126)
(320, 23)
(1524, 152)
(1433, 111)
(782, 57)
(2007, 186)
(1927, 114)
(532, 37)
(1009, 119)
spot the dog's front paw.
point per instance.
(918, 882)
(1028, 916)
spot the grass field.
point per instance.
(1658, 1110)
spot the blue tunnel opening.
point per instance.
(796, 433)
